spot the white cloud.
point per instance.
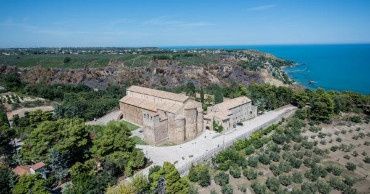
(262, 7)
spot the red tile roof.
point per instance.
(37, 165)
(21, 170)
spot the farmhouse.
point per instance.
(31, 169)
(166, 117)
(229, 113)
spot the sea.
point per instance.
(341, 67)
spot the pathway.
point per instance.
(210, 143)
(112, 116)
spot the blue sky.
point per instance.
(52, 23)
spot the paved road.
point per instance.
(112, 116)
(210, 142)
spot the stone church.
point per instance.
(166, 117)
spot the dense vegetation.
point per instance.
(87, 158)
(74, 100)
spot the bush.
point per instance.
(273, 183)
(235, 171)
(200, 174)
(279, 138)
(355, 119)
(264, 159)
(259, 188)
(227, 189)
(295, 163)
(297, 177)
(284, 166)
(334, 148)
(275, 169)
(314, 129)
(323, 187)
(350, 181)
(354, 154)
(337, 184)
(334, 169)
(367, 159)
(249, 150)
(351, 166)
(222, 178)
(274, 156)
(250, 173)
(308, 187)
(308, 145)
(315, 172)
(285, 180)
(252, 161)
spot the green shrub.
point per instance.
(250, 173)
(264, 159)
(350, 181)
(308, 187)
(308, 145)
(200, 174)
(275, 169)
(284, 167)
(315, 172)
(249, 150)
(314, 129)
(252, 161)
(279, 138)
(367, 159)
(259, 188)
(297, 177)
(274, 156)
(355, 119)
(273, 147)
(351, 166)
(334, 148)
(235, 171)
(273, 183)
(334, 169)
(295, 163)
(222, 178)
(337, 184)
(323, 187)
(227, 189)
(285, 180)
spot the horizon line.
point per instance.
(195, 45)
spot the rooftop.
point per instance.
(232, 103)
(149, 105)
(158, 93)
(222, 110)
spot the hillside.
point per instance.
(165, 69)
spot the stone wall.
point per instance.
(132, 113)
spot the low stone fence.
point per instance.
(183, 169)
